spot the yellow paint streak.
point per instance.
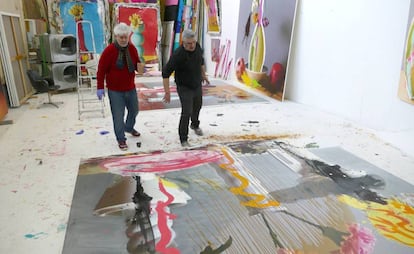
(246, 80)
(394, 221)
(169, 184)
(257, 199)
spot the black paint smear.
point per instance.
(247, 28)
(220, 249)
(357, 186)
(249, 147)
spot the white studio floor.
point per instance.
(41, 151)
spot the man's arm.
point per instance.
(167, 95)
(203, 74)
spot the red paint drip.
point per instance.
(166, 234)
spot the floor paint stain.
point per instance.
(103, 132)
(34, 236)
(80, 132)
(61, 228)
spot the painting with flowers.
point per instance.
(63, 15)
(144, 20)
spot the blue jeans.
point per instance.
(191, 102)
(119, 101)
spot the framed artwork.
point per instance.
(145, 22)
(213, 16)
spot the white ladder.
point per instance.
(87, 64)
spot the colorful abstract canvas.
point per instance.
(63, 15)
(252, 196)
(213, 16)
(144, 19)
(150, 95)
(262, 60)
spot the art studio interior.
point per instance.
(308, 129)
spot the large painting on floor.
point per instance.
(263, 49)
(254, 196)
(150, 95)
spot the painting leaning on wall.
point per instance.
(406, 86)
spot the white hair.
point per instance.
(188, 34)
(122, 28)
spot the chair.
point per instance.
(43, 85)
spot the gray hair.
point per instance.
(188, 34)
(122, 28)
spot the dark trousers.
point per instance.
(191, 102)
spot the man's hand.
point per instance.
(167, 97)
(140, 68)
(206, 81)
(100, 93)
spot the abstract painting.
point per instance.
(406, 86)
(150, 95)
(263, 49)
(213, 16)
(144, 20)
(63, 15)
(251, 196)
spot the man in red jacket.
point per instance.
(117, 66)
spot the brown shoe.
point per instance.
(122, 145)
(134, 133)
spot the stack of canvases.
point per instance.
(178, 15)
(144, 17)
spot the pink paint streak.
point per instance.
(166, 235)
(161, 162)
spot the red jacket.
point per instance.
(116, 79)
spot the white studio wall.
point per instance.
(346, 59)
(229, 23)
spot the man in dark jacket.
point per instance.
(187, 63)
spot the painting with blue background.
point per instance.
(92, 13)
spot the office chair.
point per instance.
(43, 85)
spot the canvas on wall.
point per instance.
(406, 86)
(63, 15)
(213, 16)
(263, 49)
(144, 20)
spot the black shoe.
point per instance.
(197, 130)
(185, 144)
